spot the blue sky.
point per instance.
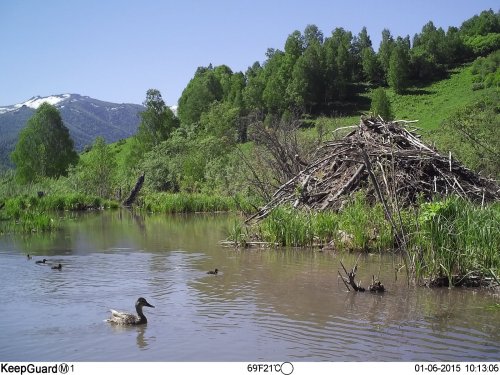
(116, 50)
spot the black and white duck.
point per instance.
(118, 317)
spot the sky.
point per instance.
(115, 50)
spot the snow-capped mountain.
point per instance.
(35, 102)
(85, 117)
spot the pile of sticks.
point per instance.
(387, 160)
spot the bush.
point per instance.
(471, 134)
(381, 105)
(486, 71)
(482, 45)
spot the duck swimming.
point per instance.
(214, 272)
(41, 261)
(58, 267)
(118, 317)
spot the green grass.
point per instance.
(191, 202)
(431, 104)
(358, 226)
(30, 213)
(454, 237)
(30, 221)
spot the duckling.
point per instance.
(29, 257)
(41, 261)
(58, 267)
(214, 272)
(130, 319)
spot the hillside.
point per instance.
(431, 104)
(85, 117)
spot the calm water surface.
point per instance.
(267, 305)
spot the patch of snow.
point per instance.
(10, 108)
(38, 101)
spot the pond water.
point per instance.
(265, 305)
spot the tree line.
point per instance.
(312, 74)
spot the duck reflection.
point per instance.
(142, 341)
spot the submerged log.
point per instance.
(349, 280)
(135, 191)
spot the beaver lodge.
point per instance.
(389, 162)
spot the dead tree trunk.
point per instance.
(350, 279)
(350, 276)
(135, 191)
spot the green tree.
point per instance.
(385, 51)
(481, 33)
(277, 77)
(221, 121)
(431, 53)
(312, 35)
(381, 105)
(306, 89)
(485, 23)
(97, 170)
(362, 43)
(44, 148)
(255, 85)
(370, 64)
(338, 64)
(399, 66)
(201, 91)
(157, 121)
(294, 45)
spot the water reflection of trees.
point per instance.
(125, 229)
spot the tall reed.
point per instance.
(454, 238)
(190, 202)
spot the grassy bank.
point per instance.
(33, 213)
(448, 242)
(192, 202)
(453, 242)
